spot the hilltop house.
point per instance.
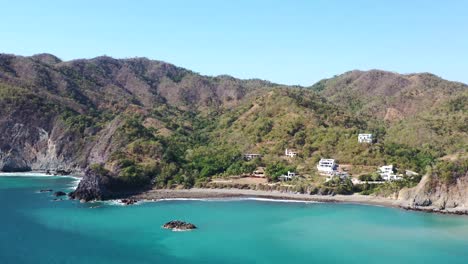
(259, 172)
(251, 156)
(327, 166)
(290, 153)
(388, 173)
(289, 176)
(365, 138)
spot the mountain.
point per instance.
(65, 114)
(387, 95)
(417, 108)
(137, 123)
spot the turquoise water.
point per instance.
(35, 229)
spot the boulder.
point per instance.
(177, 225)
(93, 186)
(62, 172)
(128, 201)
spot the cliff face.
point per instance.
(433, 194)
(30, 140)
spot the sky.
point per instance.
(289, 42)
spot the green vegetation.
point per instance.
(158, 125)
(337, 185)
(449, 171)
(274, 170)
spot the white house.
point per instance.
(251, 156)
(388, 174)
(327, 166)
(290, 153)
(365, 138)
(289, 176)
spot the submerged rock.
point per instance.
(45, 190)
(177, 225)
(60, 193)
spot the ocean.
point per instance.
(36, 229)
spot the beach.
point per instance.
(198, 193)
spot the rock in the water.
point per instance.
(62, 172)
(128, 201)
(45, 190)
(177, 225)
(60, 193)
(91, 187)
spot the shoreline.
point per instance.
(38, 174)
(202, 194)
(205, 193)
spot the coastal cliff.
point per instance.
(436, 194)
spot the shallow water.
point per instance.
(36, 229)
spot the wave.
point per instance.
(74, 184)
(233, 199)
(278, 200)
(25, 174)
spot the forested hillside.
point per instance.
(149, 123)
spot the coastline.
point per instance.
(200, 194)
(213, 194)
(39, 174)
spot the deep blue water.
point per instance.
(36, 229)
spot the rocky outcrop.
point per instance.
(93, 186)
(128, 201)
(177, 225)
(435, 195)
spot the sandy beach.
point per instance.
(197, 193)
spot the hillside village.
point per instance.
(327, 169)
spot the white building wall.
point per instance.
(365, 138)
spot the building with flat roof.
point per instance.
(251, 156)
(365, 138)
(326, 166)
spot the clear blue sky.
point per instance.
(291, 42)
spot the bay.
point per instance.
(36, 229)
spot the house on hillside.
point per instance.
(327, 166)
(251, 156)
(259, 172)
(388, 173)
(290, 153)
(365, 138)
(288, 176)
